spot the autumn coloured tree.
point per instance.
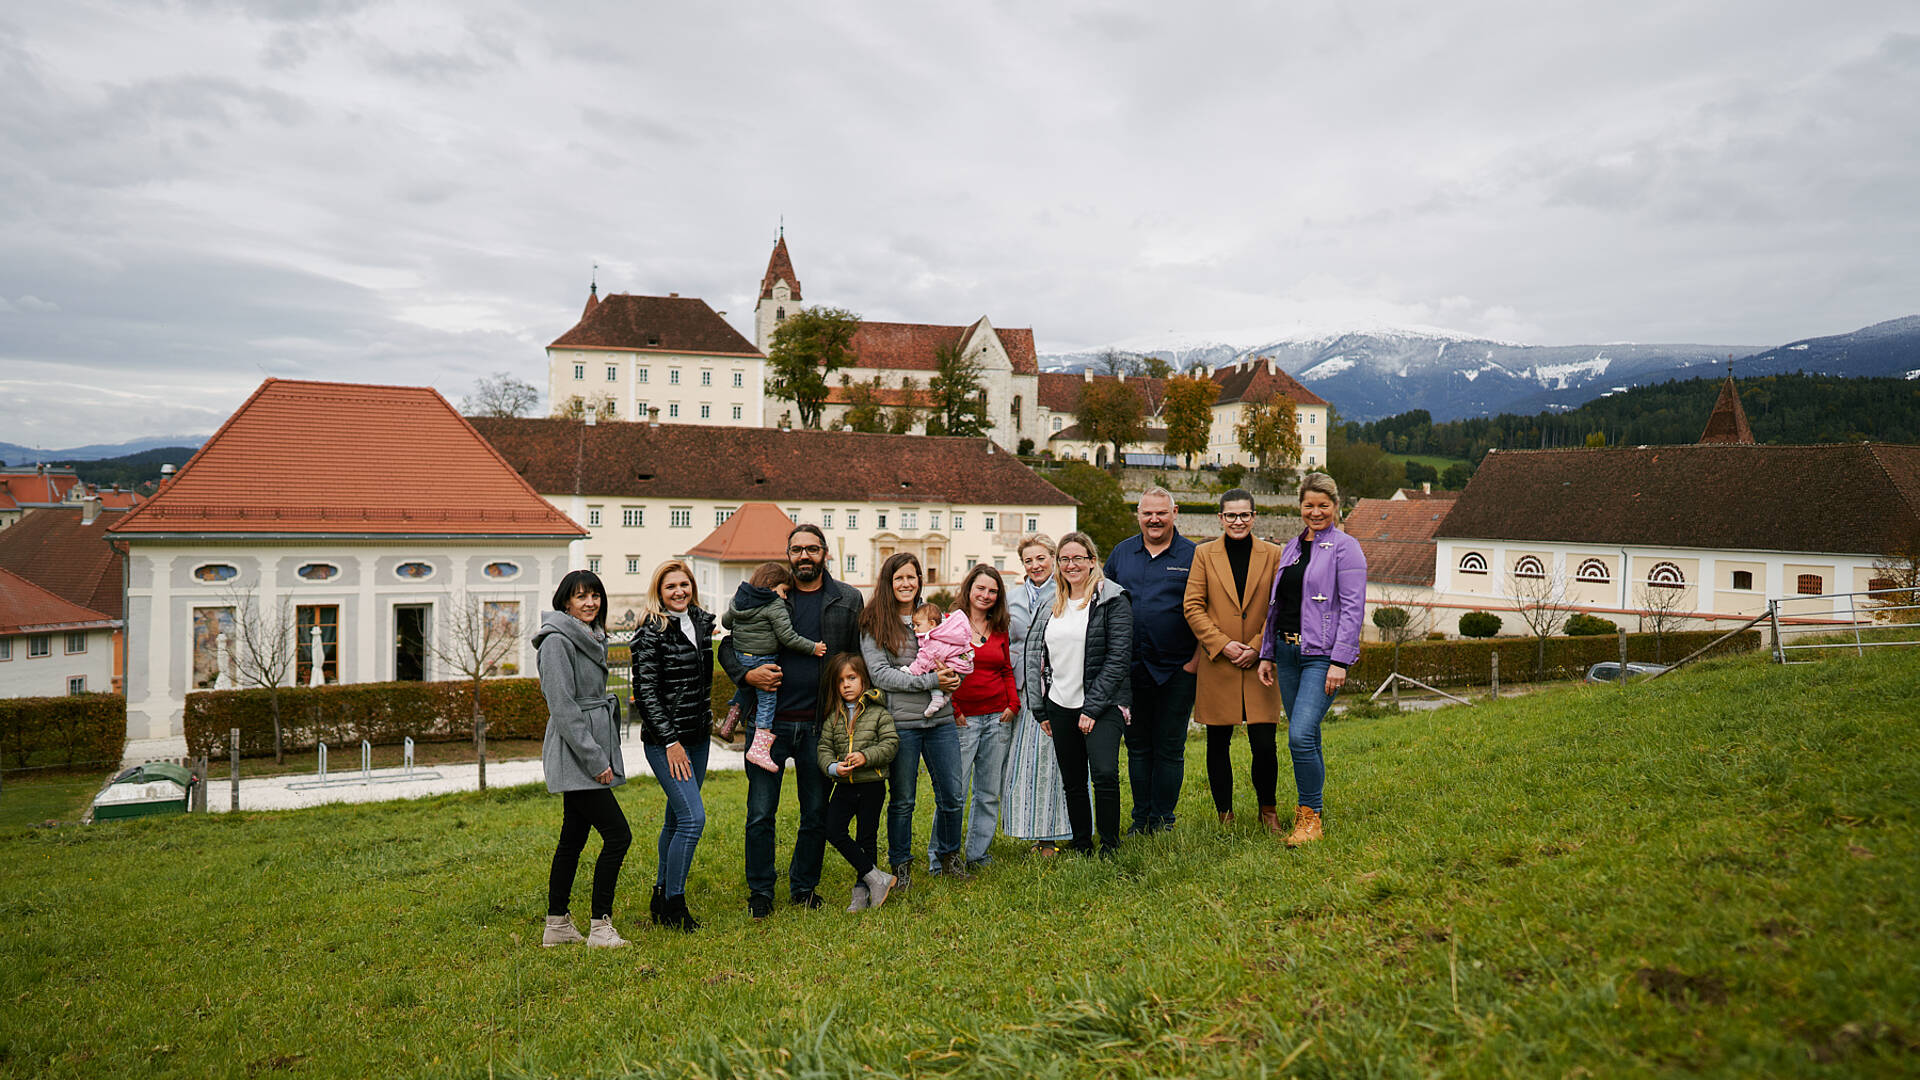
(1188, 412)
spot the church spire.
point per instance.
(593, 293)
(780, 268)
(1728, 421)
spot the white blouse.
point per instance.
(1067, 655)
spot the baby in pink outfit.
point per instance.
(944, 643)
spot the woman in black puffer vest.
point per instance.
(673, 697)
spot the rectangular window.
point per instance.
(579, 371)
(721, 514)
(706, 412)
(1033, 523)
(852, 563)
(633, 564)
(673, 411)
(999, 562)
(77, 685)
(642, 375)
(613, 373)
(39, 645)
(593, 517)
(1810, 585)
(959, 521)
(909, 519)
(305, 618)
(76, 642)
(880, 519)
(933, 519)
(739, 378)
(1743, 579)
(736, 412)
(706, 377)
(6, 648)
(793, 513)
(673, 376)
(989, 522)
(593, 564)
(633, 517)
(639, 410)
(680, 517)
(853, 519)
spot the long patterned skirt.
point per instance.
(1033, 801)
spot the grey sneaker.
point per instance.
(861, 901)
(601, 934)
(560, 931)
(878, 884)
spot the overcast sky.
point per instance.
(195, 195)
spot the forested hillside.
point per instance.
(1795, 408)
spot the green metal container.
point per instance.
(153, 788)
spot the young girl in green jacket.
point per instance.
(857, 743)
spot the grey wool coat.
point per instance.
(583, 720)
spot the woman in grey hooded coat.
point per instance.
(581, 755)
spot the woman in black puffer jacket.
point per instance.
(673, 697)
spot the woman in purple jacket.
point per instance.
(1314, 617)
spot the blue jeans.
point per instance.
(686, 816)
(749, 699)
(1157, 745)
(796, 739)
(983, 760)
(1303, 691)
(940, 745)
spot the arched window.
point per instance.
(1473, 563)
(1529, 566)
(1016, 410)
(779, 314)
(1667, 576)
(1593, 570)
(215, 572)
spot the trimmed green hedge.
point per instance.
(79, 731)
(343, 714)
(1469, 663)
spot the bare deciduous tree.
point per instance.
(265, 646)
(1898, 570)
(1541, 602)
(1660, 608)
(1400, 617)
(500, 394)
(475, 638)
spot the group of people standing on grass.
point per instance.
(1017, 704)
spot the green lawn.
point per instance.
(1434, 460)
(1708, 874)
(34, 798)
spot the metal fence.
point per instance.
(1808, 625)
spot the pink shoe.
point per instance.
(757, 753)
(731, 722)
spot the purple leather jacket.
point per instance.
(1333, 598)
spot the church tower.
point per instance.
(779, 294)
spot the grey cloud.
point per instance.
(635, 125)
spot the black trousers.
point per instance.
(582, 812)
(1266, 763)
(1157, 745)
(1094, 755)
(860, 805)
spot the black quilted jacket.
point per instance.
(673, 680)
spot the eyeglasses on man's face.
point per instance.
(811, 549)
(1236, 516)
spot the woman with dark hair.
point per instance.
(581, 755)
(888, 646)
(1312, 636)
(1079, 662)
(673, 697)
(984, 708)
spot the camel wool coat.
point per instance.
(1219, 614)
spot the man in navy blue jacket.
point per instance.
(1153, 567)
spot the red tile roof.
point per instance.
(694, 461)
(1855, 498)
(346, 459)
(1060, 391)
(666, 324)
(593, 301)
(912, 346)
(52, 549)
(117, 499)
(26, 608)
(757, 532)
(1728, 421)
(1257, 381)
(1148, 437)
(779, 268)
(38, 488)
(889, 396)
(1418, 494)
(1397, 537)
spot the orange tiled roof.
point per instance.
(1257, 381)
(668, 324)
(757, 532)
(347, 459)
(38, 488)
(1397, 537)
(26, 608)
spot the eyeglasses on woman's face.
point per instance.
(1236, 516)
(1076, 560)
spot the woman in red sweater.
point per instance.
(984, 708)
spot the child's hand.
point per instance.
(819, 648)
(853, 760)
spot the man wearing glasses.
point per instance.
(1153, 568)
(823, 610)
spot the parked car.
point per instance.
(1609, 671)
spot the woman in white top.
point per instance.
(1078, 655)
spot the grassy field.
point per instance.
(1711, 874)
(1434, 460)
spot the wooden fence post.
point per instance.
(1623, 659)
(1496, 674)
(480, 745)
(233, 769)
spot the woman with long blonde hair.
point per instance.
(673, 698)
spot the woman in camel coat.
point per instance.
(1228, 591)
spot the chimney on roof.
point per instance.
(166, 470)
(1426, 487)
(653, 415)
(593, 411)
(673, 294)
(89, 509)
